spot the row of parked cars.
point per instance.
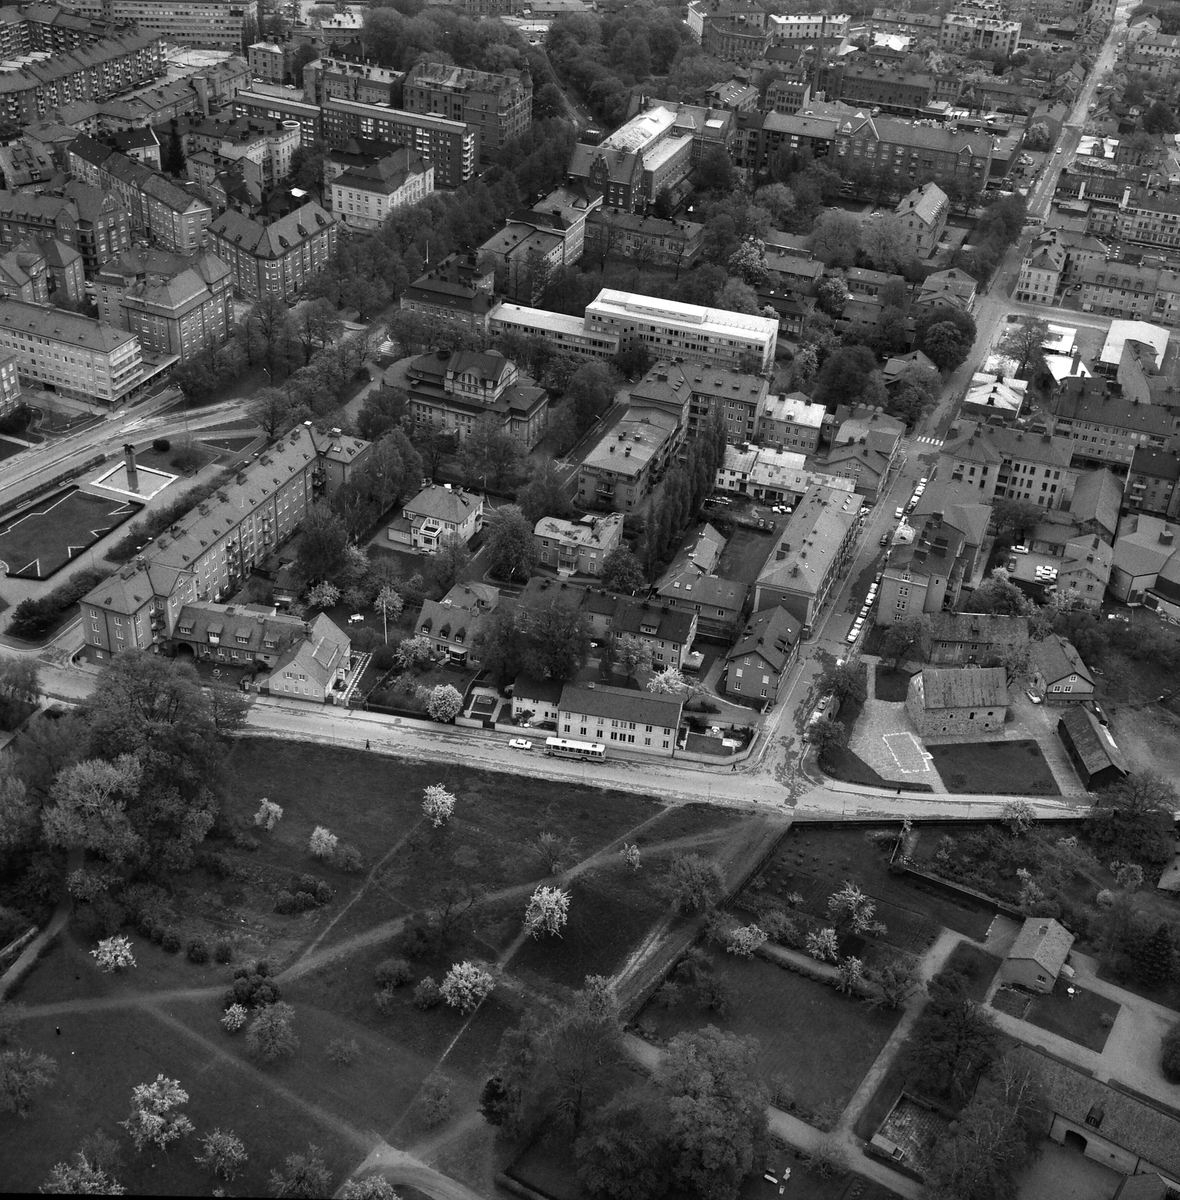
(870, 599)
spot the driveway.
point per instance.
(1061, 1174)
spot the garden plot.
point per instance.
(44, 536)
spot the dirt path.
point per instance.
(29, 955)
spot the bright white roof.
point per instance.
(1137, 331)
(1061, 366)
(631, 306)
(1061, 339)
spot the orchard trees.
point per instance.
(155, 1119)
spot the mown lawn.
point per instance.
(1010, 768)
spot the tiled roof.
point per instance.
(986, 628)
(709, 591)
(444, 504)
(1092, 741)
(771, 634)
(58, 325)
(964, 687)
(279, 238)
(1097, 496)
(1045, 941)
(668, 624)
(1056, 658)
(622, 704)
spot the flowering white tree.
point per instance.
(114, 953)
(445, 703)
(152, 1120)
(465, 985)
(235, 1017)
(438, 804)
(413, 651)
(852, 908)
(269, 814)
(369, 1187)
(323, 843)
(745, 940)
(852, 972)
(669, 681)
(823, 945)
(222, 1152)
(630, 855)
(81, 1177)
(323, 595)
(548, 911)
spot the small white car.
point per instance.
(899, 513)
(1033, 697)
(853, 634)
(520, 744)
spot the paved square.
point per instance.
(907, 752)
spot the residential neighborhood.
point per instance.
(590, 600)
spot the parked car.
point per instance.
(1100, 713)
(899, 513)
(1033, 697)
(520, 744)
(883, 540)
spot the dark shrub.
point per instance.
(261, 967)
(171, 941)
(285, 903)
(323, 893)
(427, 994)
(163, 445)
(246, 841)
(393, 973)
(223, 951)
(305, 901)
(145, 925)
(198, 951)
(384, 1000)
(218, 864)
(158, 932)
(34, 618)
(383, 657)
(188, 458)
(366, 639)
(347, 858)
(418, 938)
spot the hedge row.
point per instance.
(33, 619)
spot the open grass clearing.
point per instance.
(1009, 768)
(8, 448)
(1075, 1013)
(819, 1041)
(102, 1055)
(41, 538)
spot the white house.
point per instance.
(434, 512)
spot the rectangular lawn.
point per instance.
(821, 1042)
(41, 538)
(1010, 768)
(1084, 1017)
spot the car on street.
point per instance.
(853, 634)
(883, 540)
(899, 512)
(520, 744)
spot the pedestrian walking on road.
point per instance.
(57, 1030)
(366, 743)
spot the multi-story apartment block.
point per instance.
(213, 24)
(807, 27)
(790, 421)
(170, 215)
(537, 240)
(577, 547)
(1010, 464)
(652, 151)
(714, 336)
(88, 219)
(923, 215)
(457, 292)
(787, 96)
(89, 73)
(498, 107)
(266, 142)
(364, 196)
(174, 305)
(10, 393)
(1153, 482)
(925, 572)
(24, 274)
(735, 39)
(270, 61)
(70, 354)
(566, 334)
(276, 259)
(963, 31)
(450, 146)
(1106, 429)
(1040, 274)
(909, 24)
(910, 151)
(647, 240)
(619, 472)
(620, 718)
(815, 546)
(734, 396)
(263, 106)
(454, 390)
(667, 632)
(207, 554)
(895, 91)
(340, 78)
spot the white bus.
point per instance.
(564, 748)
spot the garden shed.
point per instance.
(1094, 753)
(1038, 954)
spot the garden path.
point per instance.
(33, 951)
(1131, 1053)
